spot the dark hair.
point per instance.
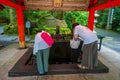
(40, 31)
(74, 25)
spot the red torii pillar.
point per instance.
(21, 33)
(110, 3)
(91, 19)
(20, 20)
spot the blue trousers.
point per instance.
(42, 57)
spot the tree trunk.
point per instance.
(11, 15)
(62, 15)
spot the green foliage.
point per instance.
(10, 29)
(50, 30)
(102, 18)
(65, 31)
(4, 16)
(40, 19)
(68, 18)
(5, 12)
(116, 20)
(81, 17)
(57, 14)
(118, 29)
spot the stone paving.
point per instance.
(111, 40)
(111, 59)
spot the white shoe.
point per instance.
(81, 67)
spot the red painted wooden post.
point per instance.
(9, 3)
(20, 20)
(91, 19)
(21, 33)
(109, 4)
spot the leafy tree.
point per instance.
(116, 20)
(58, 14)
(102, 18)
(4, 16)
(38, 19)
(9, 23)
(11, 29)
(81, 17)
(5, 12)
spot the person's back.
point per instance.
(39, 43)
(86, 34)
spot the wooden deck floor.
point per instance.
(26, 66)
(11, 54)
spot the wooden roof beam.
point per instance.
(109, 4)
(9, 3)
(65, 5)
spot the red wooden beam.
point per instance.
(20, 20)
(9, 3)
(20, 0)
(109, 4)
(109, 0)
(93, 1)
(91, 19)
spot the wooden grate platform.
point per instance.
(26, 66)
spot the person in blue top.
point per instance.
(89, 57)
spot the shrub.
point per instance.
(11, 29)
